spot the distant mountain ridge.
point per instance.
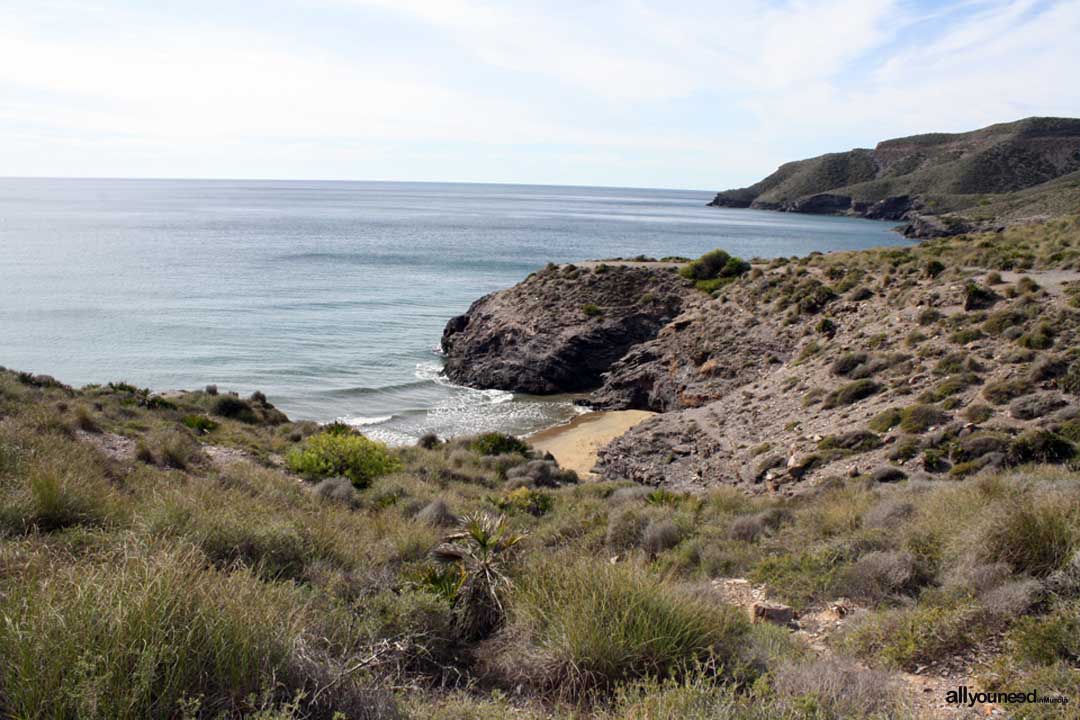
(941, 183)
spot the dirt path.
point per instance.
(816, 627)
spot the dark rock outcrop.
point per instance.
(563, 327)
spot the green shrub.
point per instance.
(714, 264)
(353, 456)
(232, 407)
(919, 418)
(885, 420)
(1047, 640)
(909, 637)
(1002, 391)
(799, 579)
(200, 423)
(934, 268)
(851, 393)
(846, 363)
(495, 443)
(953, 385)
(977, 413)
(929, 316)
(967, 335)
(977, 296)
(952, 364)
(584, 627)
(591, 310)
(856, 441)
(1041, 337)
(1040, 446)
(525, 500)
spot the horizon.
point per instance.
(457, 182)
(620, 93)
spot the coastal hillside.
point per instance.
(940, 183)
(859, 495)
(934, 361)
(196, 554)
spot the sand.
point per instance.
(574, 445)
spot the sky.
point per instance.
(637, 93)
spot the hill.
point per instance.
(941, 183)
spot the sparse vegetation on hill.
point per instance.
(899, 471)
(230, 586)
(944, 184)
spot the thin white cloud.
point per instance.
(622, 91)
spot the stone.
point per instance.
(772, 613)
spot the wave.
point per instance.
(432, 372)
(362, 421)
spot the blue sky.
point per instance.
(644, 93)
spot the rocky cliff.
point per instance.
(937, 360)
(940, 183)
(563, 327)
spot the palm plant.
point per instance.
(482, 549)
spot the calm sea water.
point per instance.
(328, 296)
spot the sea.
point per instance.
(330, 297)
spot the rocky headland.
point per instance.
(939, 183)
(938, 360)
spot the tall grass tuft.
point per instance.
(142, 635)
(583, 627)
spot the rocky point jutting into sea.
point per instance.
(937, 183)
(943, 358)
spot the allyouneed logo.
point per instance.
(964, 696)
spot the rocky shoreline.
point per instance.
(787, 375)
(938, 184)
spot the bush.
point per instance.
(540, 473)
(625, 528)
(339, 490)
(1001, 392)
(232, 407)
(177, 449)
(917, 419)
(584, 627)
(848, 362)
(437, 513)
(660, 535)
(1032, 537)
(591, 310)
(885, 420)
(142, 637)
(1041, 337)
(353, 456)
(977, 413)
(856, 441)
(929, 316)
(1047, 640)
(851, 393)
(1040, 446)
(429, 441)
(714, 264)
(200, 423)
(977, 296)
(909, 637)
(495, 443)
(877, 575)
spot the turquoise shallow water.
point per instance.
(328, 296)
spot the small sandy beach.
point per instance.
(574, 445)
